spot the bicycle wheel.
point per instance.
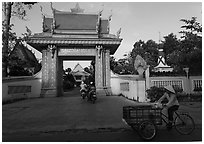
(147, 130)
(184, 124)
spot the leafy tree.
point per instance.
(191, 27)
(113, 63)
(170, 43)
(11, 9)
(148, 51)
(122, 66)
(189, 52)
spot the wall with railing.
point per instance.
(21, 87)
(131, 86)
(188, 85)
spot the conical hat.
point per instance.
(170, 88)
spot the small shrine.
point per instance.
(162, 66)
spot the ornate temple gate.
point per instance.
(74, 36)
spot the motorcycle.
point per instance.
(83, 90)
(92, 93)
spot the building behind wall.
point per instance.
(79, 73)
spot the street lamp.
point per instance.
(186, 70)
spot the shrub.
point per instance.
(194, 97)
(154, 93)
(197, 89)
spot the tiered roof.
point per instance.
(78, 70)
(75, 27)
(24, 54)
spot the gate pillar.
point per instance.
(108, 72)
(49, 66)
(102, 71)
(98, 70)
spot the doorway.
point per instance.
(73, 70)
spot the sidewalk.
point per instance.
(68, 113)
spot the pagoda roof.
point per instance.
(78, 67)
(78, 70)
(24, 54)
(75, 28)
(67, 21)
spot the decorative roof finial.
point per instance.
(53, 21)
(159, 37)
(118, 33)
(77, 9)
(41, 10)
(109, 18)
(100, 13)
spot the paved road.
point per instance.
(101, 135)
(74, 119)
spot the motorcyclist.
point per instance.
(83, 87)
(91, 91)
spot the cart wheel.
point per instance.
(147, 130)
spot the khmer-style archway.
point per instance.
(74, 35)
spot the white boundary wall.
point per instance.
(34, 82)
(131, 86)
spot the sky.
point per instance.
(137, 20)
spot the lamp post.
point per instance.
(187, 81)
(187, 71)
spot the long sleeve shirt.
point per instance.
(172, 100)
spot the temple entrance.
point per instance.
(74, 72)
(74, 35)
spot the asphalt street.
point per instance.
(71, 119)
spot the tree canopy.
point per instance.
(179, 53)
(9, 38)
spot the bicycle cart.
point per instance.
(143, 119)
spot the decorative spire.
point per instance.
(118, 33)
(159, 37)
(77, 9)
(109, 18)
(53, 21)
(100, 13)
(41, 10)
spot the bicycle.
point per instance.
(182, 122)
(144, 119)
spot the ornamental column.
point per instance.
(49, 66)
(108, 72)
(98, 70)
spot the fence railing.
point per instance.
(162, 83)
(197, 85)
(188, 85)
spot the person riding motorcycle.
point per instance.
(91, 92)
(84, 89)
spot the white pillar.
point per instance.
(147, 78)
